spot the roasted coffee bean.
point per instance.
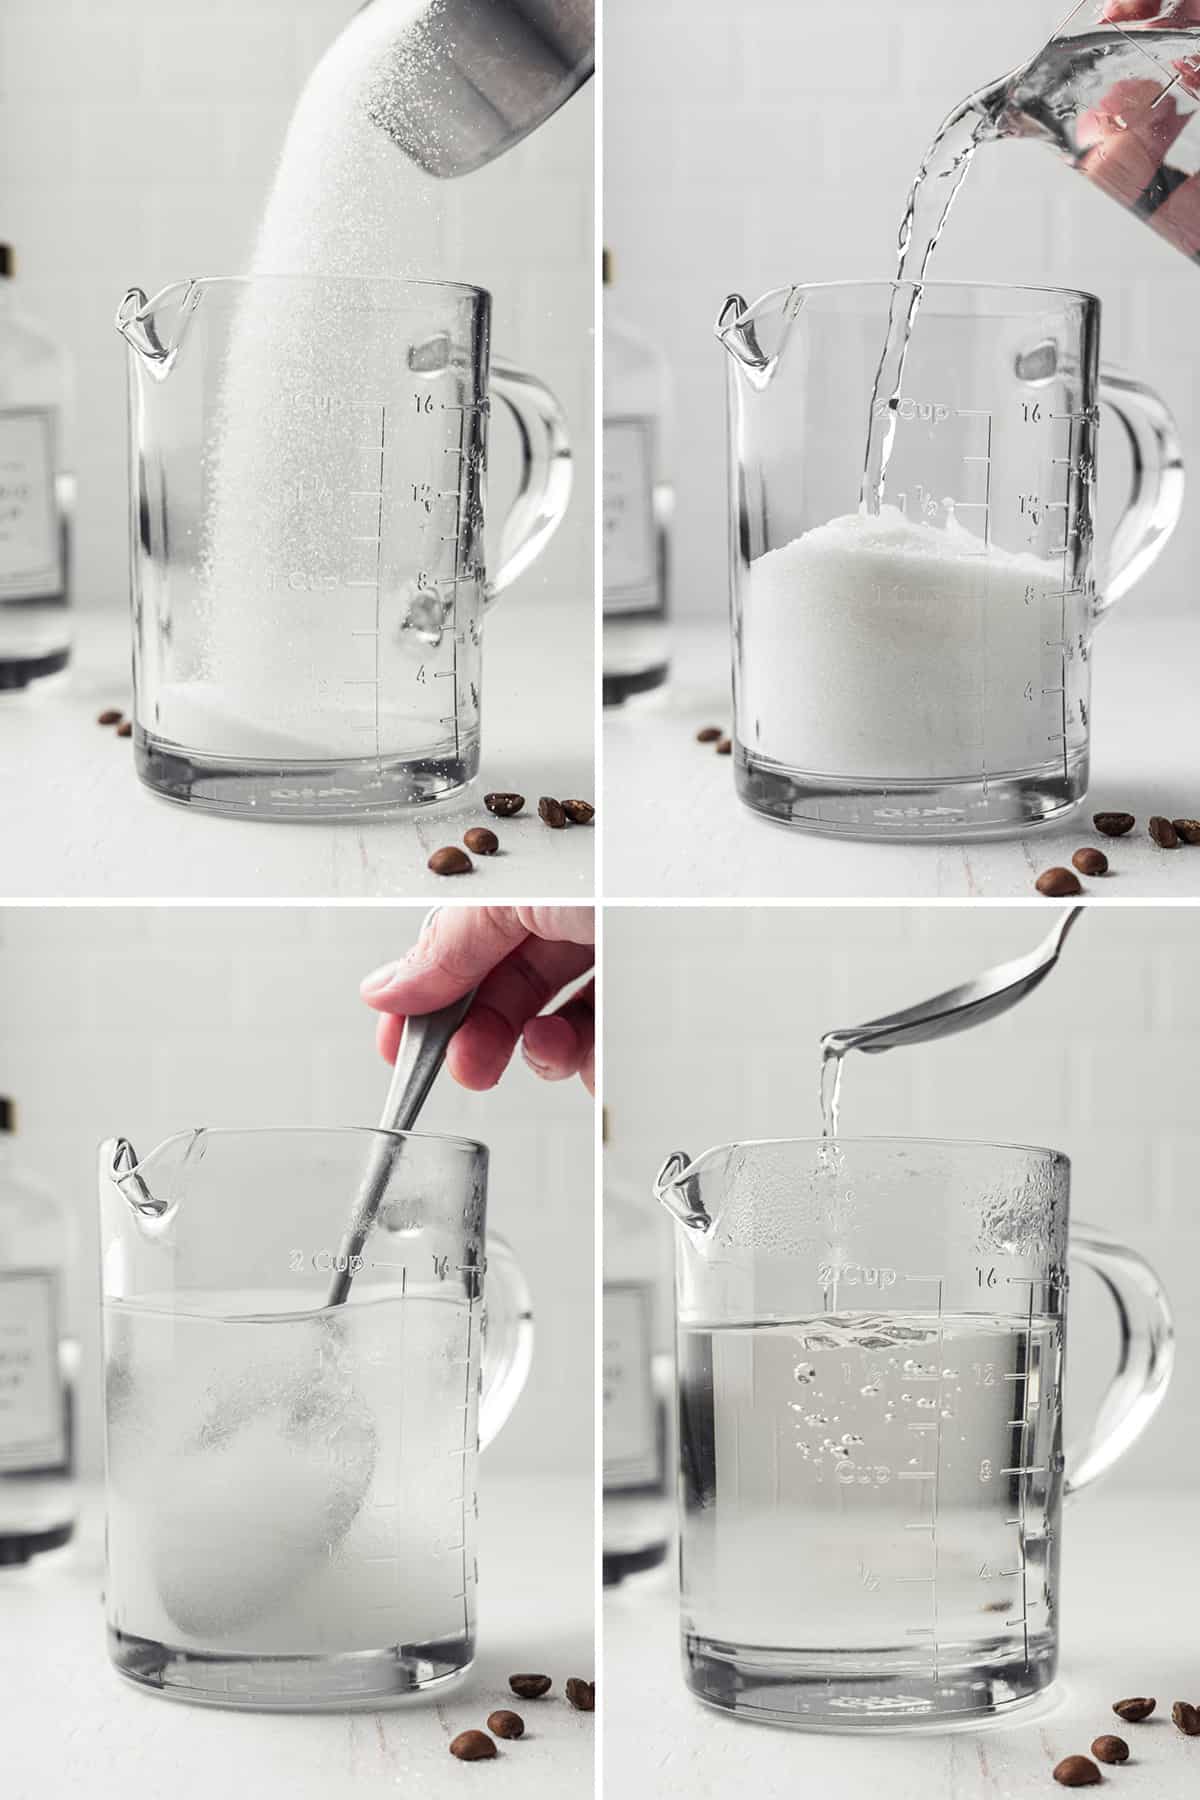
(1186, 1717)
(1059, 884)
(551, 813)
(582, 1694)
(1135, 1710)
(530, 1687)
(1076, 1771)
(482, 841)
(512, 1725)
(1188, 829)
(725, 747)
(505, 806)
(1163, 833)
(580, 812)
(709, 734)
(112, 715)
(450, 861)
(472, 1746)
(1090, 862)
(1113, 824)
(1110, 1750)
(125, 728)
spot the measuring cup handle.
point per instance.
(1156, 492)
(545, 487)
(1145, 1361)
(507, 1338)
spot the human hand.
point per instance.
(519, 958)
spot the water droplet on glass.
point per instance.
(804, 1372)
(851, 1437)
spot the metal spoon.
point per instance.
(423, 1045)
(959, 1008)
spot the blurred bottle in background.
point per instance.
(36, 496)
(37, 1364)
(637, 504)
(638, 1376)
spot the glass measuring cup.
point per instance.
(291, 1485)
(870, 1356)
(309, 461)
(1118, 98)
(925, 674)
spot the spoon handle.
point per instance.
(423, 1045)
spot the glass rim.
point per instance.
(1042, 1151)
(423, 282)
(927, 288)
(471, 1146)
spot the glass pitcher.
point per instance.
(925, 673)
(309, 460)
(1117, 95)
(871, 1337)
(290, 1482)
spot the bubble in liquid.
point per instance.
(926, 1401)
(949, 1374)
(888, 1417)
(804, 1373)
(816, 1419)
(947, 1412)
(839, 1451)
(851, 1437)
(870, 1391)
(907, 1399)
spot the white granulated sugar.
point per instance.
(876, 648)
(283, 638)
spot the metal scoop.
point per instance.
(423, 1045)
(959, 1008)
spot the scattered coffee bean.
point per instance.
(582, 1694)
(1058, 884)
(1076, 1771)
(450, 861)
(1110, 1750)
(112, 715)
(580, 812)
(551, 813)
(1113, 824)
(512, 1725)
(1164, 833)
(1188, 829)
(505, 806)
(125, 728)
(472, 1746)
(530, 1687)
(725, 747)
(1090, 862)
(1186, 1717)
(1135, 1710)
(709, 734)
(482, 841)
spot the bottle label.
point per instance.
(631, 1450)
(32, 1434)
(630, 541)
(30, 547)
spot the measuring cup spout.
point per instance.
(755, 335)
(154, 329)
(150, 1183)
(677, 1187)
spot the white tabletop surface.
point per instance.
(77, 1729)
(674, 828)
(1128, 1627)
(76, 822)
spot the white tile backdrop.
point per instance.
(712, 1021)
(136, 147)
(144, 1021)
(751, 145)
